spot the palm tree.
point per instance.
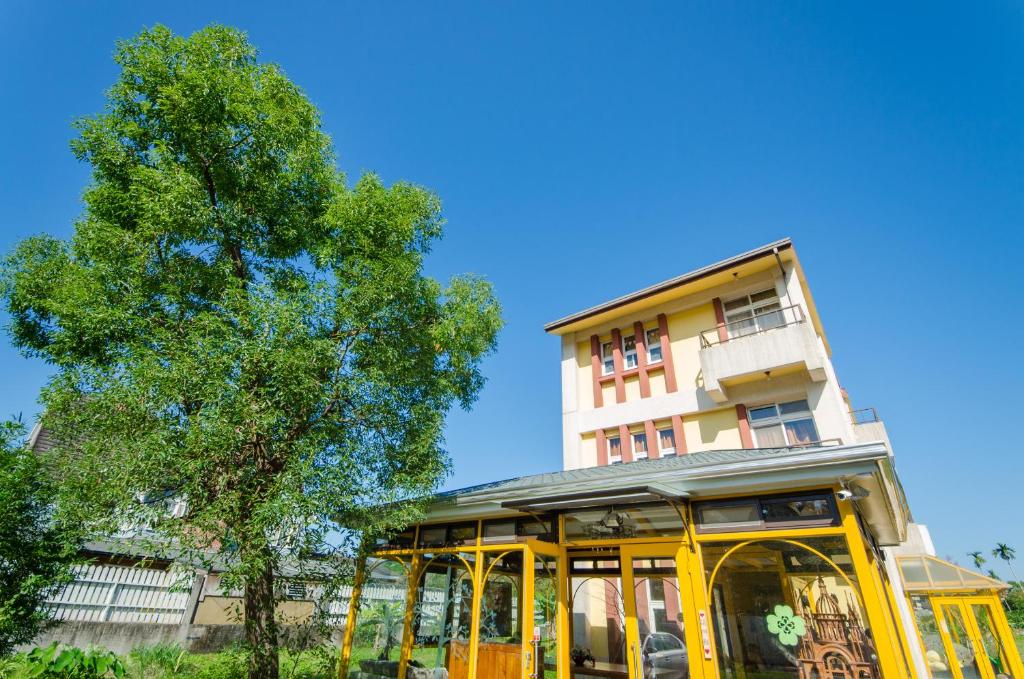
(1007, 554)
(979, 559)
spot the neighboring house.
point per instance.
(724, 510)
(127, 594)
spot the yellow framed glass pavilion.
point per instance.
(744, 564)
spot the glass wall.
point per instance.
(380, 618)
(992, 642)
(928, 627)
(659, 618)
(545, 611)
(782, 607)
(598, 615)
(500, 643)
(442, 618)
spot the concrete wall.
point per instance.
(122, 637)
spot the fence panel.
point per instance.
(122, 594)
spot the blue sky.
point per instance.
(888, 143)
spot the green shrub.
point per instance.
(157, 661)
(54, 661)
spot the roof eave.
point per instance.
(697, 274)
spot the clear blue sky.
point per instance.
(888, 143)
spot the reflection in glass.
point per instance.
(545, 610)
(380, 618)
(962, 646)
(598, 615)
(992, 642)
(499, 649)
(654, 520)
(934, 651)
(659, 619)
(780, 609)
(442, 617)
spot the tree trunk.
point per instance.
(260, 626)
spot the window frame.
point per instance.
(613, 459)
(448, 541)
(755, 309)
(649, 345)
(640, 435)
(780, 420)
(762, 523)
(607, 360)
(628, 353)
(665, 452)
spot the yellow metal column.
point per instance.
(902, 633)
(350, 619)
(410, 609)
(527, 651)
(698, 633)
(874, 600)
(474, 634)
(563, 614)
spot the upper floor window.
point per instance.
(629, 352)
(653, 345)
(667, 442)
(640, 446)
(614, 449)
(753, 313)
(607, 358)
(778, 425)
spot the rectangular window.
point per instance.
(433, 536)
(448, 536)
(771, 512)
(516, 530)
(607, 358)
(629, 359)
(667, 442)
(654, 346)
(499, 531)
(753, 313)
(614, 449)
(782, 425)
(628, 521)
(639, 446)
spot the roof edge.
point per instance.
(696, 274)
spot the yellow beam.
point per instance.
(350, 618)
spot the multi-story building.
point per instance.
(723, 512)
(730, 356)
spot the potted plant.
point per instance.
(581, 655)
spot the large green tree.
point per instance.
(35, 554)
(233, 324)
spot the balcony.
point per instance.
(774, 340)
(868, 428)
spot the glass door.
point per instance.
(995, 645)
(960, 639)
(655, 628)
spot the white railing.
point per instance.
(149, 595)
(123, 594)
(433, 599)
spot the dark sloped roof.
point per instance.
(590, 474)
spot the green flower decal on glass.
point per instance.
(786, 625)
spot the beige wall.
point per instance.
(716, 430)
(227, 610)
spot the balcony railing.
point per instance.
(745, 327)
(817, 444)
(864, 416)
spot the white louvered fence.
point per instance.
(122, 594)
